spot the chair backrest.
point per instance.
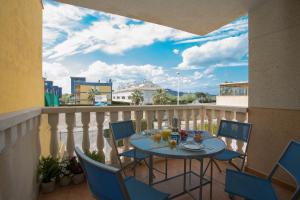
(123, 129)
(235, 130)
(105, 182)
(290, 162)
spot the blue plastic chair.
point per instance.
(233, 130)
(122, 130)
(106, 182)
(255, 188)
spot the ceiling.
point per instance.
(194, 16)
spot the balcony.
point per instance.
(67, 127)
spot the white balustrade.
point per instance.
(159, 117)
(100, 139)
(195, 114)
(229, 115)
(207, 114)
(138, 117)
(70, 121)
(187, 119)
(149, 119)
(113, 154)
(53, 122)
(85, 120)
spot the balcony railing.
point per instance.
(93, 120)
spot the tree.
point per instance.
(203, 97)
(137, 97)
(92, 93)
(160, 97)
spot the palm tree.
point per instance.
(137, 97)
(160, 97)
(92, 93)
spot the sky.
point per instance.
(103, 46)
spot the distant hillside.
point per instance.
(174, 93)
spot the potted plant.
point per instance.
(65, 172)
(95, 156)
(76, 170)
(48, 170)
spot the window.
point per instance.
(123, 97)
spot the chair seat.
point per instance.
(227, 155)
(140, 191)
(248, 187)
(132, 153)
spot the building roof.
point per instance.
(235, 84)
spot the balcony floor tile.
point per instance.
(81, 192)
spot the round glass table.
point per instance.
(210, 147)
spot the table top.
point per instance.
(212, 146)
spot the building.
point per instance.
(52, 93)
(81, 90)
(274, 84)
(233, 94)
(124, 94)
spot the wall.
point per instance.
(19, 151)
(274, 84)
(21, 83)
(232, 100)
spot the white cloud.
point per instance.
(111, 34)
(57, 73)
(237, 27)
(214, 53)
(175, 51)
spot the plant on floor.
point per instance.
(48, 171)
(65, 172)
(95, 156)
(76, 170)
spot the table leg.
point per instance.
(201, 178)
(211, 180)
(184, 176)
(190, 170)
(150, 170)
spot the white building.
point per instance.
(123, 94)
(233, 94)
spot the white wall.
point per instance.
(232, 101)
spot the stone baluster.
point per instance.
(159, 117)
(187, 119)
(209, 114)
(202, 118)
(229, 115)
(194, 118)
(85, 120)
(113, 154)
(219, 115)
(70, 121)
(241, 117)
(53, 122)
(126, 116)
(149, 119)
(138, 117)
(179, 116)
(170, 117)
(100, 139)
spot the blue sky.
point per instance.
(100, 46)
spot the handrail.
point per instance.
(12, 119)
(73, 109)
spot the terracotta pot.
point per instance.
(65, 180)
(48, 187)
(78, 178)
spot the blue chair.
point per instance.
(120, 131)
(255, 188)
(233, 130)
(106, 182)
